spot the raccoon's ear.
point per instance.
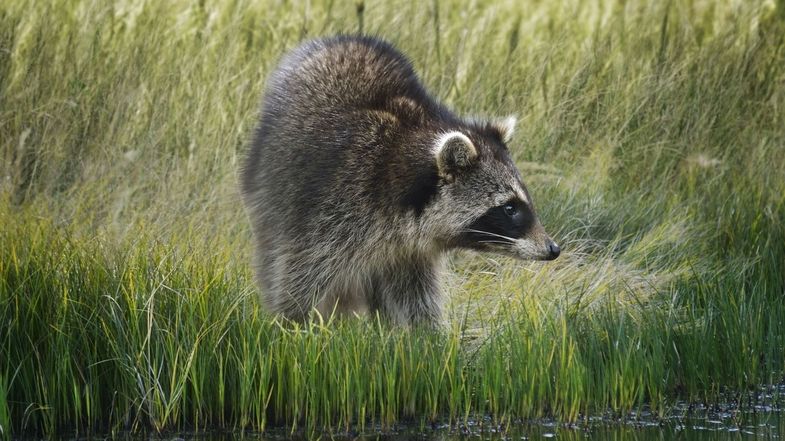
(454, 151)
(505, 127)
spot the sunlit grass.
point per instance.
(651, 137)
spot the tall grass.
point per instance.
(652, 137)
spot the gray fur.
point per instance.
(357, 183)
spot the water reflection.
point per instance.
(723, 427)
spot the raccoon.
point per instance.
(357, 183)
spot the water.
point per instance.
(764, 424)
(759, 415)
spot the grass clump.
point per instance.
(651, 137)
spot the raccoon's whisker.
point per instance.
(470, 230)
(494, 241)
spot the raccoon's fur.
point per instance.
(357, 182)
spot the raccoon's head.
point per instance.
(483, 203)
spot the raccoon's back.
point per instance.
(342, 73)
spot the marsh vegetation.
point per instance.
(651, 135)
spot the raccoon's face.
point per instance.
(483, 199)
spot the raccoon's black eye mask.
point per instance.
(513, 219)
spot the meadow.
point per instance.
(651, 136)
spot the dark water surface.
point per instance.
(764, 424)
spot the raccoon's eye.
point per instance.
(510, 210)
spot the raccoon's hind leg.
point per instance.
(292, 292)
(409, 294)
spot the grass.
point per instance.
(652, 137)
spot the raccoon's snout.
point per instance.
(547, 250)
(553, 250)
(543, 248)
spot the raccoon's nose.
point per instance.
(554, 250)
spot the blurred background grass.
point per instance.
(651, 135)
